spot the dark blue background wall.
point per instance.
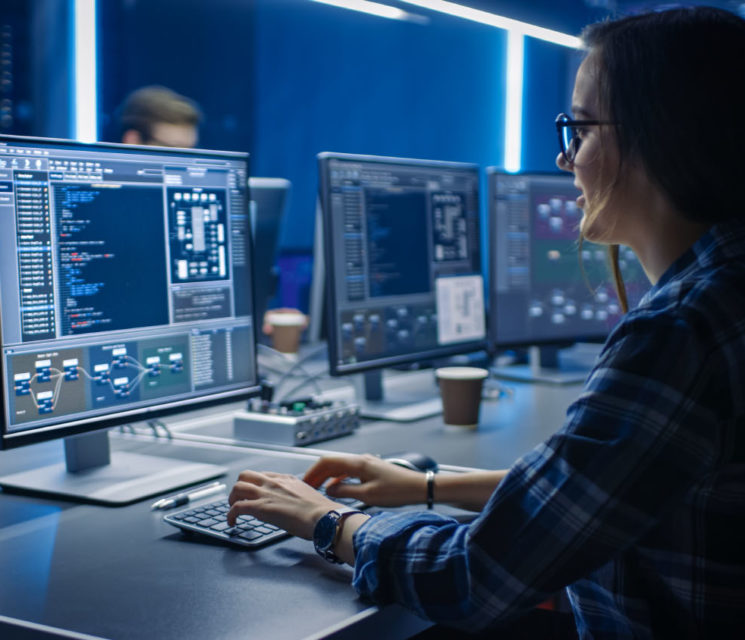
(286, 79)
(343, 81)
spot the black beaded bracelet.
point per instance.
(430, 476)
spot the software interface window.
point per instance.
(125, 281)
(545, 287)
(406, 261)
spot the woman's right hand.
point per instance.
(381, 483)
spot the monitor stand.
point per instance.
(92, 473)
(404, 397)
(545, 366)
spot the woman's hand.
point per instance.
(380, 483)
(279, 499)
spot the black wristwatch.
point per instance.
(327, 531)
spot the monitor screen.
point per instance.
(403, 263)
(125, 284)
(539, 294)
(268, 204)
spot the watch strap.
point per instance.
(339, 514)
(430, 478)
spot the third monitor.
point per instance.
(545, 289)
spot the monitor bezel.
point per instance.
(63, 430)
(335, 367)
(495, 345)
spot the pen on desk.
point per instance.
(187, 497)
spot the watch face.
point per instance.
(325, 531)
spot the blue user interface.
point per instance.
(125, 280)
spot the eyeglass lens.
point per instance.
(570, 142)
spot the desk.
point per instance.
(509, 427)
(122, 573)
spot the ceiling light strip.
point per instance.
(373, 8)
(501, 22)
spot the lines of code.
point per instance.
(100, 273)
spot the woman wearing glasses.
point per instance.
(637, 504)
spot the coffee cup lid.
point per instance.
(286, 319)
(461, 373)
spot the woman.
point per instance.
(637, 504)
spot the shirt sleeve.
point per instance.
(638, 438)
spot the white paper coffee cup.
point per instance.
(287, 328)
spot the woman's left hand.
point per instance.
(279, 499)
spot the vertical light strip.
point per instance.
(84, 64)
(513, 122)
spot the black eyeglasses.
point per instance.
(569, 134)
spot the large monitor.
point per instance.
(543, 291)
(403, 262)
(268, 203)
(125, 294)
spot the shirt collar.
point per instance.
(721, 242)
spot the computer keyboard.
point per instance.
(210, 519)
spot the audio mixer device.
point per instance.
(297, 422)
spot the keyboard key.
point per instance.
(207, 523)
(250, 535)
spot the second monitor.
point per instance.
(403, 263)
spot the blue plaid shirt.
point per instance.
(636, 505)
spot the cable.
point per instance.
(310, 379)
(155, 424)
(299, 365)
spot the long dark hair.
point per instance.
(674, 82)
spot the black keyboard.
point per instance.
(210, 519)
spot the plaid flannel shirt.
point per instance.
(636, 505)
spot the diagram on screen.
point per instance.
(72, 380)
(198, 234)
(394, 328)
(560, 288)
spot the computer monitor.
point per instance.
(125, 294)
(540, 294)
(403, 264)
(268, 204)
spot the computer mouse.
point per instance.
(413, 460)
